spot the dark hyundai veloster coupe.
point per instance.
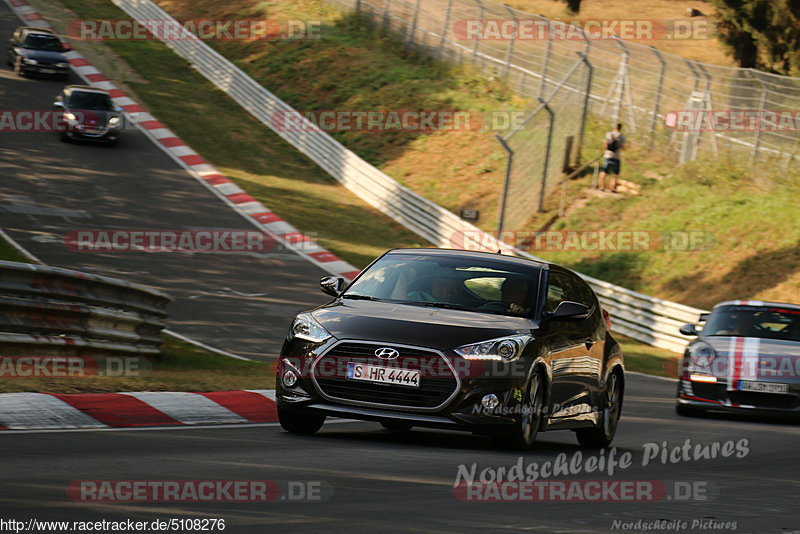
(492, 344)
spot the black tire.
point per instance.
(602, 435)
(300, 423)
(530, 421)
(688, 411)
(397, 426)
(63, 137)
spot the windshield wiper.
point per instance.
(359, 297)
(447, 305)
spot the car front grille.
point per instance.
(436, 385)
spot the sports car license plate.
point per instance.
(763, 387)
(382, 375)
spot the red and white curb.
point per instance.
(256, 213)
(46, 411)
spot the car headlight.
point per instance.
(504, 349)
(70, 116)
(113, 122)
(306, 327)
(702, 354)
(29, 61)
(62, 65)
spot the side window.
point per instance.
(558, 289)
(583, 293)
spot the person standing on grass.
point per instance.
(613, 143)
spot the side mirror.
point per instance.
(567, 309)
(332, 285)
(688, 330)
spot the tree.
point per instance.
(761, 33)
(573, 5)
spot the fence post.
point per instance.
(761, 102)
(445, 27)
(414, 23)
(386, 22)
(510, 50)
(658, 93)
(546, 153)
(505, 185)
(546, 61)
(709, 104)
(480, 23)
(589, 74)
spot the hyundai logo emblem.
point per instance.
(386, 353)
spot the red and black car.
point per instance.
(492, 344)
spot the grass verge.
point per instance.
(181, 367)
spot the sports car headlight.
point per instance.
(29, 61)
(113, 122)
(504, 349)
(70, 116)
(306, 327)
(702, 354)
(62, 65)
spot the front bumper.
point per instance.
(717, 397)
(461, 411)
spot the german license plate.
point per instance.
(763, 387)
(382, 375)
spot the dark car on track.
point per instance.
(745, 359)
(89, 114)
(488, 343)
(37, 51)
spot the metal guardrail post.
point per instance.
(660, 88)
(546, 153)
(504, 198)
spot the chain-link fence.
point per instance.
(657, 95)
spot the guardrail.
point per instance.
(47, 311)
(645, 318)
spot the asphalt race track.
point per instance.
(366, 479)
(236, 302)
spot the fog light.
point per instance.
(490, 401)
(289, 379)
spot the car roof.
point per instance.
(84, 88)
(473, 254)
(758, 303)
(43, 31)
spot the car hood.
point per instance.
(93, 117)
(754, 357)
(44, 55)
(436, 328)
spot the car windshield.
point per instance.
(482, 285)
(43, 42)
(771, 322)
(87, 100)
